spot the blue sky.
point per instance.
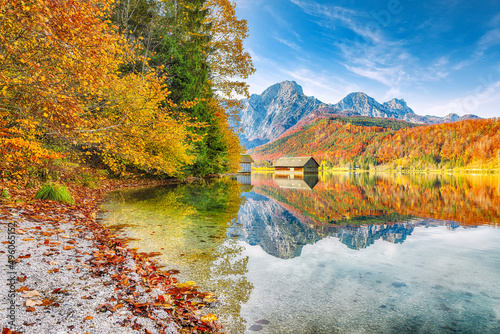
(441, 56)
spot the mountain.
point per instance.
(266, 117)
(364, 105)
(278, 108)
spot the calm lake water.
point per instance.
(338, 253)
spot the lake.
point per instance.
(333, 253)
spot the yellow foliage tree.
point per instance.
(60, 78)
(229, 59)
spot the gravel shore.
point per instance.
(50, 282)
(62, 272)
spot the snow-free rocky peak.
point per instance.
(267, 116)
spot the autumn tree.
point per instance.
(198, 45)
(61, 80)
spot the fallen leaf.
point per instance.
(30, 309)
(31, 302)
(21, 278)
(88, 318)
(47, 302)
(22, 289)
(209, 317)
(30, 294)
(69, 267)
(68, 247)
(28, 239)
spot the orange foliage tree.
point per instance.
(60, 80)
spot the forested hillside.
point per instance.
(351, 141)
(136, 85)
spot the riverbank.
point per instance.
(69, 274)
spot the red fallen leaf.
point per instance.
(56, 305)
(46, 241)
(22, 289)
(47, 302)
(56, 290)
(24, 256)
(30, 309)
(6, 331)
(21, 278)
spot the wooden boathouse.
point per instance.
(245, 164)
(296, 165)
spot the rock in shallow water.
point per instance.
(398, 284)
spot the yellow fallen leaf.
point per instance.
(88, 318)
(68, 247)
(190, 283)
(28, 239)
(209, 317)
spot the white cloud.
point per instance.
(342, 16)
(288, 43)
(483, 101)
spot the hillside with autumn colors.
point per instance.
(364, 141)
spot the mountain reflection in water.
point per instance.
(247, 236)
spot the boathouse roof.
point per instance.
(246, 158)
(295, 162)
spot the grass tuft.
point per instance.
(55, 192)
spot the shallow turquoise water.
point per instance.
(336, 254)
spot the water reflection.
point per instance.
(379, 244)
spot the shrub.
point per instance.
(55, 192)
(5, 194)
(87, 180)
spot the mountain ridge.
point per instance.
(266, 117)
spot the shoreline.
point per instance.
(70, 274)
